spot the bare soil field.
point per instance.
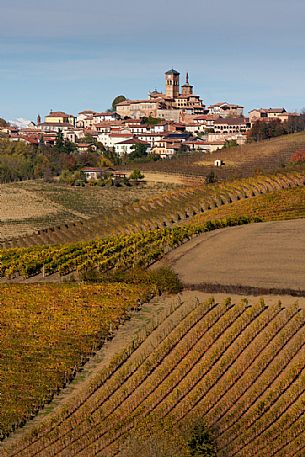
(268, 255)
(29, 206)
(153, 177)
(18, 203)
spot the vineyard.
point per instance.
(159, 211)
(278, 205)
(238, 366)
(118, 252)
(47, 332)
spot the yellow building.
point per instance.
(138, 108)
(59, 117)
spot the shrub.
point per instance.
(166, 280)
(211, 178)
(298, 156)
(162, 279)
(201, 443)
(165, 438)
(136, 175)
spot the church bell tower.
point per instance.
(172, 83)
(187, 89)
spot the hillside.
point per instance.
(237, 365)
(161, 209)
(54, 204)
(142, 247)
(268, 156)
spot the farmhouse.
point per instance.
(85, 147)
(225, 109)
(92, 173)
(126, 147)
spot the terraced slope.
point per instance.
(278, 205)
(240, 367)
(159, 211)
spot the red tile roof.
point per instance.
(133, 141)
(118, 135)
(87, 111)
(207, 117)
(56, 124)
(106, 113)
(231, 121)
(222, 104)
(96, 169)
(59, 114)
(269, 110)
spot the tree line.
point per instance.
(20, 161)
(266, 130)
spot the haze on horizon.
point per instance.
(73, 55)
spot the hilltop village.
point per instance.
(164, 124)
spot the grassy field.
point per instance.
(33, 205)
(239, 367)
(47, 332)
(267, 156)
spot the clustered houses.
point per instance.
(170, 105)
(182, 123)
(269, 114)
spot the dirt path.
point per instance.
(153, 177)
(267, 255)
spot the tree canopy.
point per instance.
(3, 122)
(139, 151)
(136, 175)
(151, 121)
(116, 100)
(273, 128)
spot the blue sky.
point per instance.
(71, 55)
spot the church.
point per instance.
(171, 105)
